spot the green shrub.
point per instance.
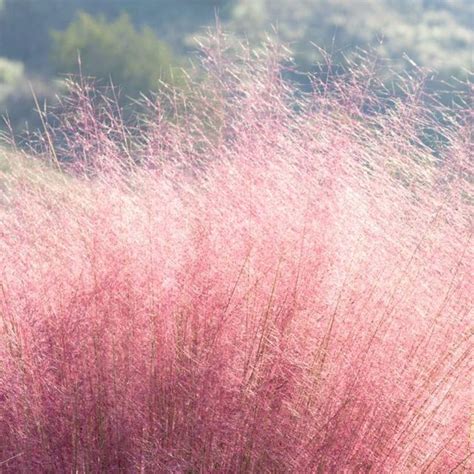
(10, 70)
(134, 60)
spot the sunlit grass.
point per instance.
(240, 287)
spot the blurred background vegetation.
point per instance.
(138, 43)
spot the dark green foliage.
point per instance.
(135, 60)
(25, 24)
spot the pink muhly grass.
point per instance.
(252, 280)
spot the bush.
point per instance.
(10, 71)
(136, 61)
(287, 294)
(17, 103)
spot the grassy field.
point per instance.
(289, 293)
